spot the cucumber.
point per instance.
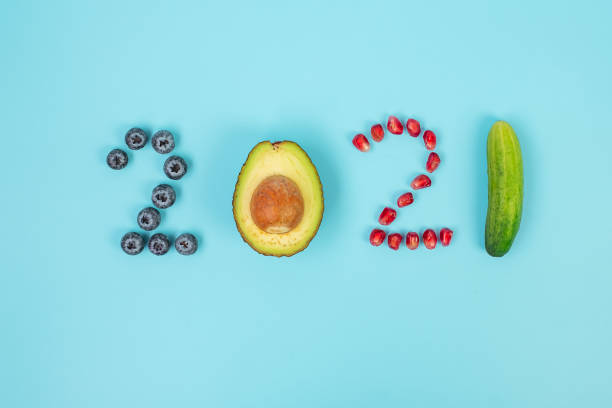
(505, 170)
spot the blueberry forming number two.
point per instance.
(162, 197)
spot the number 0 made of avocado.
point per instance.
(505, 170)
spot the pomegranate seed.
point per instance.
(377, 237)
(394, 241)
(405, 199)
(395, 126)
(429, 239)
(446, 235)
(433, 161)
(387, 216)
(420, 182)
(413, 127)
(361, 143)
(412, 240)
(429, 138)
(378, 133)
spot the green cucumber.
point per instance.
(505, 170)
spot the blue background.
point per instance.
(342, 323)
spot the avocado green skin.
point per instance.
(505, 170)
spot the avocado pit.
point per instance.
(277, 205)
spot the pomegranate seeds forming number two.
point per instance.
(388, 215)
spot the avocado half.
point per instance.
(278, 199)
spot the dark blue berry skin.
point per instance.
(117, 159)
(132, 243)
(148, 219)
(163, 141)
(159, 244)
(175, 167)
(163, 196)
(186, 244)
(136, 138)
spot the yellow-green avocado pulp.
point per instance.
(279, 161)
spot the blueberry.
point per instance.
(163, 141)
(175, 167)
(186, 244)
(132, 243)
(149, 219)
(159, 244)
(117, 159)
(163, 196)
(136, 138)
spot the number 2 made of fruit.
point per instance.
(422, 181)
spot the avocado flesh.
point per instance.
(289, 160)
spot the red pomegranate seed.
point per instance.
(378, 133)
(433, 161)
(412, 240)
(446, 235)
(395, 126)
(413, 127)
(394, 241)
(361, 143)
(387, 216)
(377, 237)
(429, 239)
(429, 138)
(405, 199)
(420, 182)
